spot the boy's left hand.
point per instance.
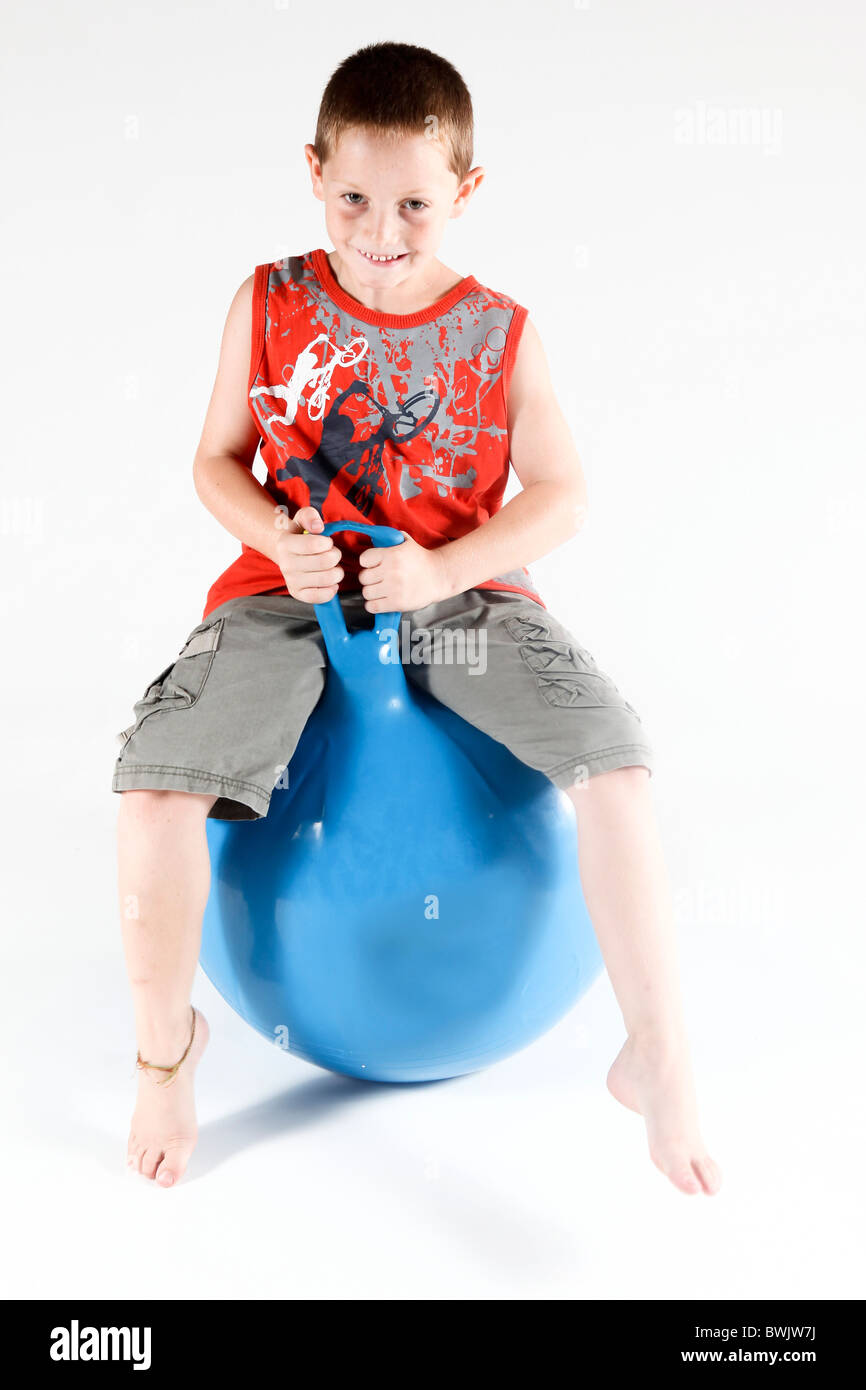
(400, 578)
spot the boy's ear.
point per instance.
(315, 169)
(473, 180)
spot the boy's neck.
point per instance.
(412, 295)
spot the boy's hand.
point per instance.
(400, 578)
(310, 563)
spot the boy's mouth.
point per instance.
(381, 260)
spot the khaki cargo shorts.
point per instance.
(225, 715)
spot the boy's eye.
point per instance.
(419, 205)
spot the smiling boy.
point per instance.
(383, 386)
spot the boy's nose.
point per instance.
(382, 234)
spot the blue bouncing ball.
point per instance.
(410, 908)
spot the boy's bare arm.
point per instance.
(222, 468)
(224, 481)
(552, 505)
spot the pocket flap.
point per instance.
(206, 641)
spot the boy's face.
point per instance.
(388, 197)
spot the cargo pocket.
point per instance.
(566, 674)
(181, 683)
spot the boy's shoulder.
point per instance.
(498, 297)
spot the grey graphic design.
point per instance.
(362, 458)
(454, 361)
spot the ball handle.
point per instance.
(330, 614)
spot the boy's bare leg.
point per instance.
(626, 890)
(163, 880)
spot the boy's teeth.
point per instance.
(379, 258)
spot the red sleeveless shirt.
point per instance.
(395, 419)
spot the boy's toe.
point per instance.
(150, 1162)
(173, 1165)
(680, 1172)
(686, 1179)
(709, 1174)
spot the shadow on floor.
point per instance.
(284, 1113)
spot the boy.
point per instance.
(383, 386)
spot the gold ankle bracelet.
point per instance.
(172, 1071)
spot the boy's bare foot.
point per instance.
(654, 1078)
(164, 1130)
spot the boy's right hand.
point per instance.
(310, 563)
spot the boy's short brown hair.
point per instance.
(402, 90)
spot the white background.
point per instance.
(702, 309)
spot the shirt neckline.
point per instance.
(334, 291)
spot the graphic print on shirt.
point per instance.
(399, 420)
(306, 372)
(357, 441)
(362, 459)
